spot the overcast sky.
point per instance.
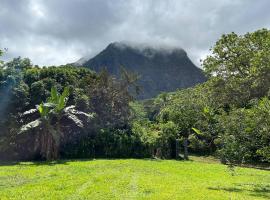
(54, 32)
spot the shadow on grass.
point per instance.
(29, 163)
(66, 161)
(165, 159)
(40, 163)
(255, 190)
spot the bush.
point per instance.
(246, 134)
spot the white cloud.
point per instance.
(61, 31)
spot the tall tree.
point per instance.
(239, 67)
(184, 110)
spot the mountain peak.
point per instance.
(161, 68)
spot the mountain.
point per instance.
(161, 69)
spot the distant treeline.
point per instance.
(69, 112)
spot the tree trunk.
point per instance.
(158, 153)
(177, 148)
(49, 148)
(44, 144)
(186, 148)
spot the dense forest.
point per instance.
(73, 112)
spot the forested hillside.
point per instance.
(71, 112)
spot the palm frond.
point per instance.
(54, 96)
(44, 109)
(75, 119)
(197, 131)
(29, 112)
(63, 98)
(65, 93)
(71, 109)
(73, 114)
(30, 126)
(49, 105)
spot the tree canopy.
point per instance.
(239, 67)
(227, 116)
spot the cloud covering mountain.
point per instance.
(160, 69)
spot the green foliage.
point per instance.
(143, 128)
(239, 72)
(229, 113)
(239, 67)
(51, 114)
(197, 131)
(59, 101)
(227, 116)
(1, 53)
(43, 110)
(184, 110)
(245, 134)
(25, 86)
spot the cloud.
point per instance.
(54, 32)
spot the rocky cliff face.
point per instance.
(160, 69)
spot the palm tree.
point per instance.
(48, 126)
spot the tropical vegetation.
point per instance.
(72, 112)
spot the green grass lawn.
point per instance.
(131, 179)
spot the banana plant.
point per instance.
(48, 126)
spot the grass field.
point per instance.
(131, 179)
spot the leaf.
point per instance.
(54, 95)
(63, 99)
(71, 109)
(49, 105)
(65, 93)
(206, 110)
(90, 116)
(30, 126)
(44, 109)
(31, 111)
(61, 104)
(197, 131)
(40, 109)
(72, 113)
(75, 120)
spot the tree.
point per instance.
(110, 98)
(245, 134)
(20, 63)
(1, 53)
(239, 68)
(239, 72)
(184, 110)
(48, 126)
